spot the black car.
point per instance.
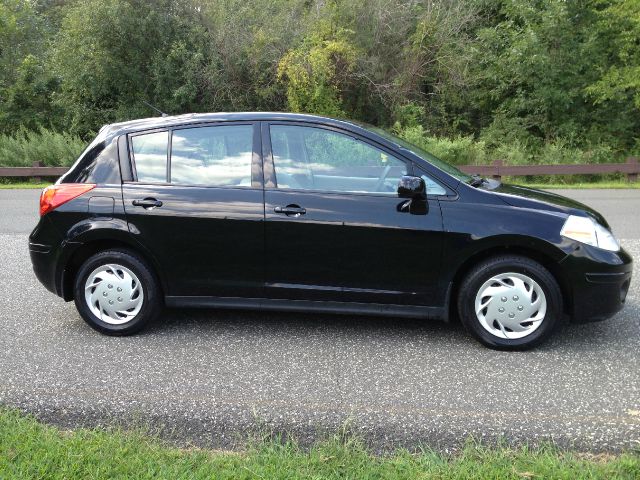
(298, 212)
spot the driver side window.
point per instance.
(312, 158)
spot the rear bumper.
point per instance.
(44, 249)
(599, 282)
(43, 266)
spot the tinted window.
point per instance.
(98, 164)
(215, 156)
(150, 155)
(318, 159)
(433, 187)
(441, 164)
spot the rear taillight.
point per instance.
(55, 195)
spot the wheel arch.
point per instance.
(86, 249)
(544, 259)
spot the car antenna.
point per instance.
(156, 109)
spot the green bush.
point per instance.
(458, 151)
(55, 149)
(51, 148)
(465, 150)
(468, 151)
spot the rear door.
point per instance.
(335, 228)
(196, 205)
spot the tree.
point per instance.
(318, 71)
(112, 55)
(26, 88)
(531, 72)
(531, 69)
(27, 102)
(619, 27)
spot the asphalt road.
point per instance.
(212, 377)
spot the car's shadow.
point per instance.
(295, 324)
(622, 332)
(204, 322)
(216, 318)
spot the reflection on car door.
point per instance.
(199, 211)
(334, 226)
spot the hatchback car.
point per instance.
(298, 212)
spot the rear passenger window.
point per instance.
(213, 156)
(150, 156)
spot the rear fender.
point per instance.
(101, 233)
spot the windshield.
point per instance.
(435, 161)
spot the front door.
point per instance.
(335, 228)
(196, 206)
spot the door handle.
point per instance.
(291, 210)
(147, 203)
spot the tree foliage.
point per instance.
(619, 26)
(518, 72)
(318, 71)
(533, 69)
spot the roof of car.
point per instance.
(191, 118)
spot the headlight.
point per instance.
(586, 230)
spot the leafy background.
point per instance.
(526, 81)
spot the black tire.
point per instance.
(151, 301)
(488, 268)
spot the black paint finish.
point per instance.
(209, 241)
(351, 247)
(259, 246)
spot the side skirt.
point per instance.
(352, 308)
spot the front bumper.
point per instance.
(599, 282)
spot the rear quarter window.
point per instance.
(98, 164)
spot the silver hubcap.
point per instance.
(510, 305)
(113, 294)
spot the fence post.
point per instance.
(35, 165)
(497, 175)
(632, 177)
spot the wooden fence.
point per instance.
(631, 168)
(36, 170)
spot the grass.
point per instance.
(29, 449)
(9, 186)
(581, 185)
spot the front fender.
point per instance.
(474, 230)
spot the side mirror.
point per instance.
(412, 187)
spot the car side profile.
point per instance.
(299, 212)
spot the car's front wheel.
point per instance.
(510, 302)
(116, 293)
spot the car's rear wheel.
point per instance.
(116, 293)
(510, 302)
